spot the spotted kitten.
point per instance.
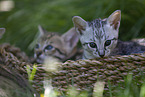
(52, 45)
(98, 37)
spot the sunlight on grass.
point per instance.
(142, 92)
(49, 91)
(98, 89)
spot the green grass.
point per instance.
(131, 89)
(31, 73)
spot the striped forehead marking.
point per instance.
(98, 28)
(48, 36)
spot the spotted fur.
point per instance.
(96, 35)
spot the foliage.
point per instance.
(129, 90)
(55, 15)
(30, 73)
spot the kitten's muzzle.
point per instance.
(39, 53)
(101, 53)
(39, 57)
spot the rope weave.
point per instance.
(85, 73)
(82, 74)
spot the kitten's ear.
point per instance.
(114, 19)
(79, 23)
(42, 31)
(2, 31)
(71, 38)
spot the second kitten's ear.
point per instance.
(2, 31)
(114, 19)
(71, 38)
(42, 31)
(80, 24)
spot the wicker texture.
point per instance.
(13, 58)
(84, 73)
(81, 73)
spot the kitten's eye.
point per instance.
(92, 44)
(108, 42)
(37, 46)
(49, 47)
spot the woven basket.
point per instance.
(82, 74)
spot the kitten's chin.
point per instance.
(40, 60)
(96, 55)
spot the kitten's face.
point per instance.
(50, 45)
(98, 37)
(53, 45)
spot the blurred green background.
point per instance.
(55, 15)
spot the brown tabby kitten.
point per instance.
(52, 45)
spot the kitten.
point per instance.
(52, 45)
(98, 37)
(127, 48)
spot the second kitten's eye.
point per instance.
(48, 47)
(108, 42)
(92, 44)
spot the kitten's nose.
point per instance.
(101, 53)
(101, 56)
(39, 53)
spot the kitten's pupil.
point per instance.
(93, 45)
(108, 42)
(48, 47)
(37, 46)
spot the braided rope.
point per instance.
(81, 73)
(85, 73)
